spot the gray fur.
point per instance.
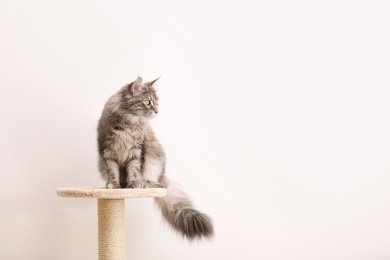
(179, 212)
(130, 156)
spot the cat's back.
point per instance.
(109, 121)
(112, 105)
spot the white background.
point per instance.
(274, 116)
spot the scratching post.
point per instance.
(111, 215)
(111, 229)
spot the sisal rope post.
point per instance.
(111, 229)
(111, 215)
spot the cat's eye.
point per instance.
(147, 102)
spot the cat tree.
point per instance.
(111, 215)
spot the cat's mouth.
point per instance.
(152, 114)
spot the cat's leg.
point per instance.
(134, 178)
(112, 174)
(153, 169)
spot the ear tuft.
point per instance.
(153, 82)
(136, 87)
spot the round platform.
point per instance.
(103, 193)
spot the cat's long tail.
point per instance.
(177, 209)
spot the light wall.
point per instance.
(274, 116)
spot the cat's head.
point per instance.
(140, 99)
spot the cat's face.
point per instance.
(146, 104)
(141, 99)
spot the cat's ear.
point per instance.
(153, 82)
(136, 87)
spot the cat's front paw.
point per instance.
(112, 185)
(152, 184)
(134, 185)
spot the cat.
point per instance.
(130, 156)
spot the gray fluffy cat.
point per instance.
(130, 156)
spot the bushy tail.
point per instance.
(177, 209)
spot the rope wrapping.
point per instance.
(111, 229)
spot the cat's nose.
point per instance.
(155, 110)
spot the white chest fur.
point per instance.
(126, 145)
